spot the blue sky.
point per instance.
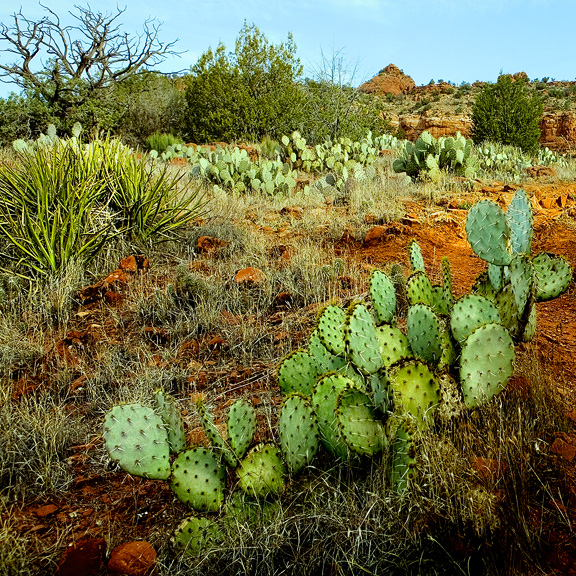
(453, 40)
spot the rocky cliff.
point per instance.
(558, 127)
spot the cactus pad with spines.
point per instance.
(489, 233)
(324, 400)
(331, 329)
(471, 312)
(416, 260)
(383, 296)
(241, 426)
(262, 471)
(521, 280)
(424, 333)
(299, 432)
(136, 439)
(198, 479)
(552, 276)
(297, 373)
(359, 426)
(394, 344)
(520, 221)
(415, 391)
(419, 289)
(325, 360)
(362, 345)
(403, 460)
(214, 436)
(486, 364)
(167, 408)
(195, 536)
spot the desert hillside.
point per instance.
(445, 109)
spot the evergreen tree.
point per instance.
(505, 112)
(244, 95)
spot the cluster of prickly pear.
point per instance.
(430, 156)
(514, 281)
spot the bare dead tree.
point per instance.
(68, 65)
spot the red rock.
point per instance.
(390, 80)
(489, 469)
(208, 244)
(132, 559)
(85, 558)
(563, 449)
(539, 171)
(250, 276)
(375, 235)
(46, 510)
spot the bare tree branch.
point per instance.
(69, 64)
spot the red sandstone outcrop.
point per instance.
(558, 131)
(391, 80)
(414, 124)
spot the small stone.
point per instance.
(46, 510)
(489, 469)
(85, 558)
(250, 276)
(132, 559)
(563, 449)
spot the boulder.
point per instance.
(132, 559)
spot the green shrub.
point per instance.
(505, 113)
(161, 141)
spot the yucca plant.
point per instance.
(151, 202)
(46, 209)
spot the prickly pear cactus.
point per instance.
(136, 439)
(383, 296)
(331, 324)
(198, 479)
(195, 535)
(488, 233)
(262, 471)
(297, 373)
(167, 408)
(241, 426)
(299, 432)
(486, 364)
(362, 345)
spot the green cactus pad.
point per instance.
(394, 345)
(449, 353)
(380, 387)
(521, 275)
(530, 328)
(358, 424)
(241, 426)
(403, 461)
(424, 334)
(297, 373)
(299, 432)
(506, 304)
(520, 221)
(331, 329)
(416, 260)
(486, 364)
(198, 479)
(262, 471)
(214, 436)
(471, 312)
(362, 345)
(447, 284)
(496, 276)
(415, 391)
(488, 232)
(483, 286)
(324, 399)
(383, 296)
(136, 439)
(195, 536)
(325, 360)
(419, 289)
(552, 276)
(350, 372)
(167, 408)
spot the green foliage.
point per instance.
(427, 157)
(504, 112)
(244, 95)
(160, 141)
